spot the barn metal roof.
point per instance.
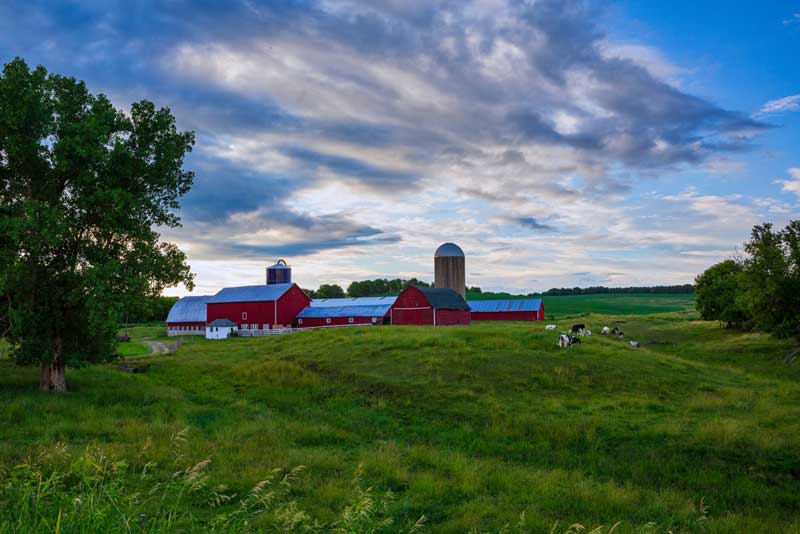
(448, 249)
(222, 323)
(377, 310)
(357, 301)
(258, 293)
(444, 298)
(505, 305)
(189, 310)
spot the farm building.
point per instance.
(427, 305)
(188, 316)
(507, 310)
(345, 311)
(258, 307)
(220, 329)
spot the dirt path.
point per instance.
(157, 347)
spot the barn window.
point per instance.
(299, 321)
(244, 316)
(328, 320)
(374, 320)
(349, 319)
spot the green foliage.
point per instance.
(328, 291)
(716, 294)
(771, 279)
(762, 290)
(381, 287)
(82, 186)
(150, 309)
(468, 426)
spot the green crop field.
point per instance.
(470, 427)
(617, 304)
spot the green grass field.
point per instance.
(617, 304)
(697, 431)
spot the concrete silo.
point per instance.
(448, 268)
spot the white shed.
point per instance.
(220, 329)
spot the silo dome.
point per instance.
(448, 250)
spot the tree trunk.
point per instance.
(52, 378)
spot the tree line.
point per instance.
(383, 287)
(760, 291)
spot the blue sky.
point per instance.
(559, 143)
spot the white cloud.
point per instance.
(792, 185)
(781, 105)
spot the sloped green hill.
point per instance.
(699, 430)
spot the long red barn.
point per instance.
(507, 310)
(258, 307)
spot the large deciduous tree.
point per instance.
(83, 187)
(717, 294)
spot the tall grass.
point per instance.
(54, 492)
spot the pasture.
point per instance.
(697, 431)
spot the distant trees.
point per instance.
(82, 188)
(381, 287)
(763, 289)
(329, 291)
(602, 290)
(148, 310)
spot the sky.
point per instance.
(559, 143)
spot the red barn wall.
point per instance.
(309, 322)
(411, 307)
(505, 316)
(259, 313)
(452, 317)
(290, 304)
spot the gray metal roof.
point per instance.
(376, 310)
(258, 293)
(444, 298)
(505, 305)
(448, 249)
(356, 301)
(189, 310)
(222, 323)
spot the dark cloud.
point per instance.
(532, 223)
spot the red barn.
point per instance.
(258, 307)
(188, 316)
(345, 312)
(427, 305)
(507, 310)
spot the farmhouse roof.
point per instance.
(189, 310)
(444, 298)
(222, 323)
(505, 305)
(258, 293)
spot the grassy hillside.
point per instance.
(471, 426)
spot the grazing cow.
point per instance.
(550, 327)
(587, 333)
(563, 341)
(605, 330)
(621, 334)
(574, 340)
(634, 344)
(578, 328)
(615, 330)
